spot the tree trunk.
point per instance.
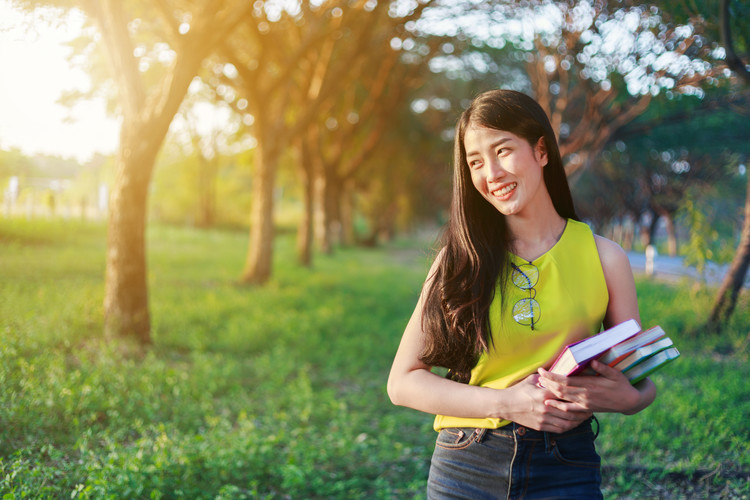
(322, 234)
(305, 229)
(726, 298)
(207, 169)
(643, 231)
(348, 236)
(733, 60)
(629, 236)
(333, 208)
(652, 229)
(126, 292)
(327, 192)
(260, 252)
(671, 234)
(661, 212)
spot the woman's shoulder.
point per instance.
(623, 300)
(437, 262)
(611, 254)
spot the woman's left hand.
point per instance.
(610, 391)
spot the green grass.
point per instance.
(279, 391)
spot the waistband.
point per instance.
(521, 432)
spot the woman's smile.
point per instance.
(505, 191)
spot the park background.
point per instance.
(207, 305)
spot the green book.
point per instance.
(643, 352)
(649, 365)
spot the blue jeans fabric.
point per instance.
(515, 462)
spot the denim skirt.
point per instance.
(515, 462)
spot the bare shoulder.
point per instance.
(611, 254)
(623, 301)
(434, 268)
(438, 261)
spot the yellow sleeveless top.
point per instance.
(572, 296)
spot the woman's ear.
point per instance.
(541, 150)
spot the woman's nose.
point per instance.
(494, 171)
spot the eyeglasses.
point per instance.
(526, 311)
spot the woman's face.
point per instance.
(505, 168)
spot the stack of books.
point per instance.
(636, 353)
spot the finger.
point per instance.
(557, 392)
(605, 370)
(568, 407)
(566, 389)
(560, 383)
(532, 379)
(560, 410)
(558, 425)
(551, 381)
(553, 377)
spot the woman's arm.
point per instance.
(611, 391)
(412, 384)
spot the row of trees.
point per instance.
(358, 96)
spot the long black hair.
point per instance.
(475, 244)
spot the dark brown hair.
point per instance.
(474, 256)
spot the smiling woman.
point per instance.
(36, 72)
(517, 278)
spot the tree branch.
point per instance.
(113, 27)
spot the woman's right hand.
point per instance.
(524, 405)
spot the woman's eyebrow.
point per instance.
(492, 146)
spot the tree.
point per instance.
(147, 112)
(680, 145)
(148, 97)
(731, 285)
(357, 126)
(289, 67)
(602, 65)
(593, 66)
(195, 179)
(726, 297)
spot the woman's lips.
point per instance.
(505, 190)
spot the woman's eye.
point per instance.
(475, 164)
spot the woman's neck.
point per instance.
(532, 236)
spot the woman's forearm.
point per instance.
(425, 391)
(647, 391)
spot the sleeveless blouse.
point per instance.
(572, 295)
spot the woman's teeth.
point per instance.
(507, 189)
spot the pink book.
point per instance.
(575, 357)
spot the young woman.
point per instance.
(517, 279)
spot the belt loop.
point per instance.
(479, 434)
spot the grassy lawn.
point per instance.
(279, 391)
